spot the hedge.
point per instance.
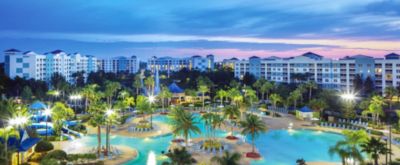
(44, 146)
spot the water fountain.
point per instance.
(151, 159)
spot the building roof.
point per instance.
(392, 56)
(305, 109)
(312, 55)
(58, 51)
(12, 50)
(174, 88)
(37, 105)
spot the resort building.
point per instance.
(119, 64)
(170, 64)
(328, 73)
(229, 63)
(31, 65)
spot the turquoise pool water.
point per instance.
(278, 147)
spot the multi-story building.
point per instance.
(31, 65)
(170, 64)
(328, 73)
(119, 64)
(229, 63)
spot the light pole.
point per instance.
(47, 113)
(151, 100)
(17, 122)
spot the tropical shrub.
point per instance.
(44, 146)
(374, 132)
(37, 157)
(56, 154)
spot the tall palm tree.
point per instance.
(207, 118)
(88, 92)
(143, 105)
(258, 84)
(203, 89)
(60, 113)
(217, 121)
(97, 111)
(184, 123)
(266, 88)
(149, 82)
(275, 99)
(228, 158)
(375, 108)
(251, 96)
(231, 112)
(374, 147)
(137, 84)
(110, 90)
(311, 85)
(253, 126)
(164, 94)
(221, 94)
(390, 92)
(179, 156)
(294, 96)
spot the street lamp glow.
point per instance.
(152, 99)
(18, 121)
(348, 96)
(47, 112)
(109, 112)
(56, 93)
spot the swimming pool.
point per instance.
(278, 147)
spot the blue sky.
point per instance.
(181, 28)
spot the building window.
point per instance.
(19, 70)
(25, 65)
(19, 60)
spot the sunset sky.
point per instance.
(230, 28)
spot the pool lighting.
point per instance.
(18, 121)
(151, 159)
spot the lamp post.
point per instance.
(151, 100)
(17, 122)
(47, 113)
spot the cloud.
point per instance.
(113, 38)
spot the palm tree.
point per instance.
(221, 94)
(301, 88)
(374, 147)
(217, 120)
(110, 90)
(88, 92)
(179, 157)
(349, 147)
(375, 108)
(203, 89)
(251, 96)
(143, 105)
(97, 112)
(149, 82)
(294, 96)
(253, 126)
(266, 88)
(137, 84)
(275, 99)
(259, 83)
(227, 159)
(164, 94)
(184, 123)
(207, 118)
(60, 113)
(231, 112)
(311, 85)
(390, 92)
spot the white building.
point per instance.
(119, 64)
(328, 73)
(170, 64)
(31, 65)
